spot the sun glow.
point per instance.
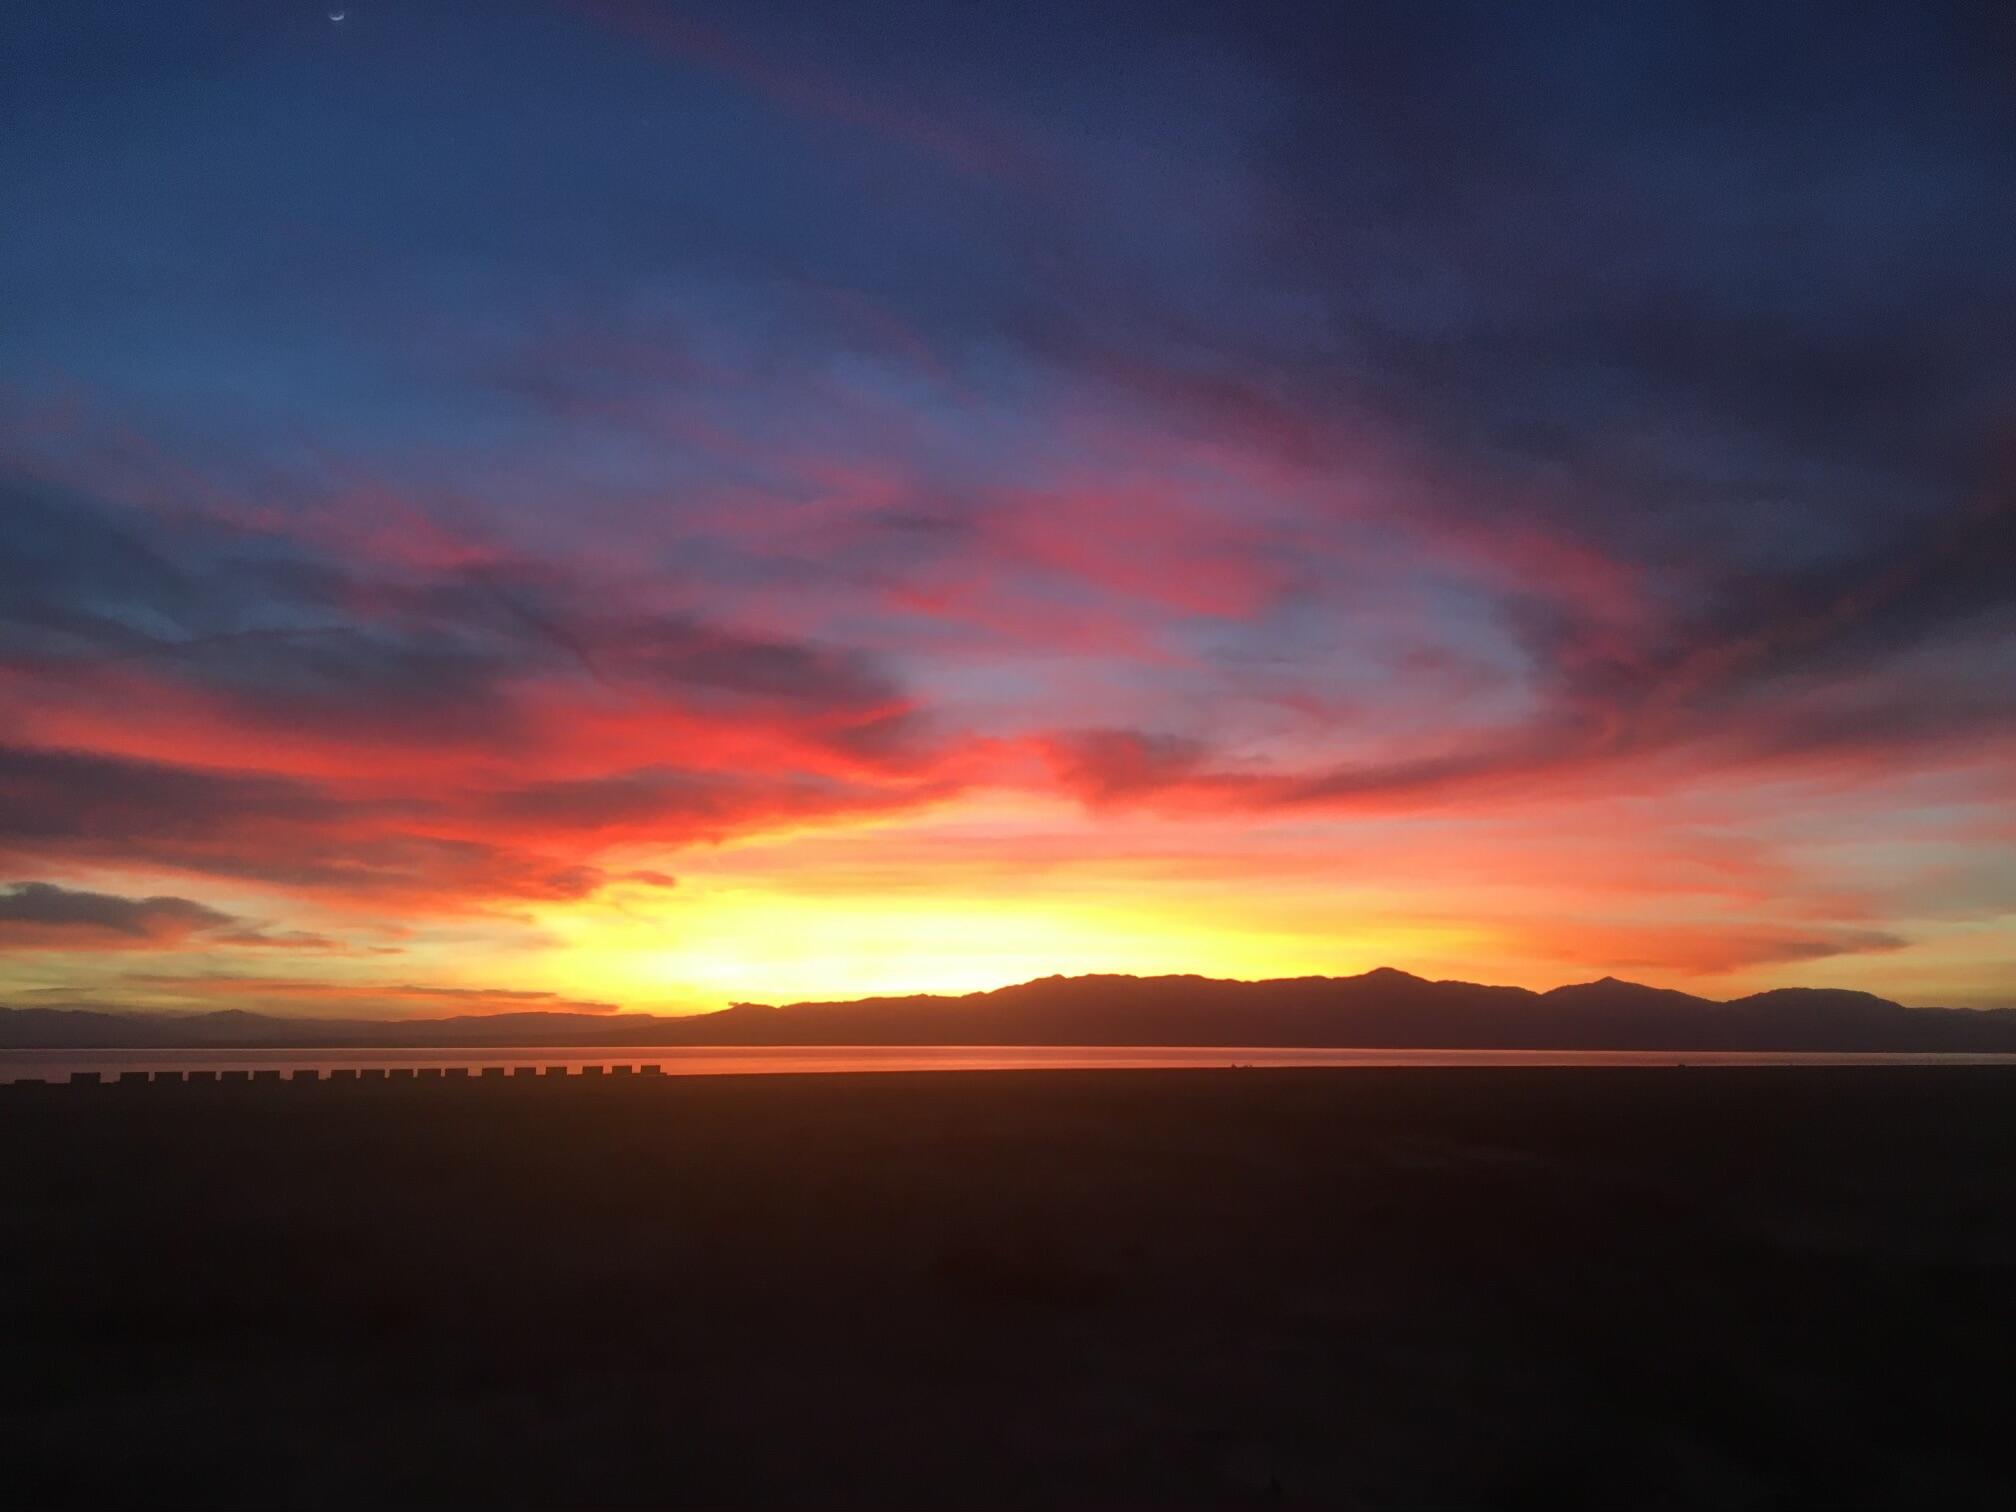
(711, 945)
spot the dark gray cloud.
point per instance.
(255, 827)
(400, 654)
(48, 916)
(42, 912)
(59, 795)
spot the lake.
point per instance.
(740, 1060)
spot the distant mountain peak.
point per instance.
(1617, 987)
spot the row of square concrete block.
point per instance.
(355, 1073)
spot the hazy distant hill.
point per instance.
(1383, 1008)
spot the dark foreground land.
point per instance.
(1416, 1288)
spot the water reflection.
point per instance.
(740, 1060)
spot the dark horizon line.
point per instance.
(1380, 1009)
(1380, 972)
(1385, 973)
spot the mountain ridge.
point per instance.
(1384, 1008)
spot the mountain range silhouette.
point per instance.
(1380, 1009)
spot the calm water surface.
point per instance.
(739, 1060)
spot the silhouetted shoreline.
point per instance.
(1379, 1009)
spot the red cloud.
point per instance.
(1707, 949)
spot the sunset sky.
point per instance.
(536, 504)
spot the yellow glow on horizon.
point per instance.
(998, 888)
(706, 948)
